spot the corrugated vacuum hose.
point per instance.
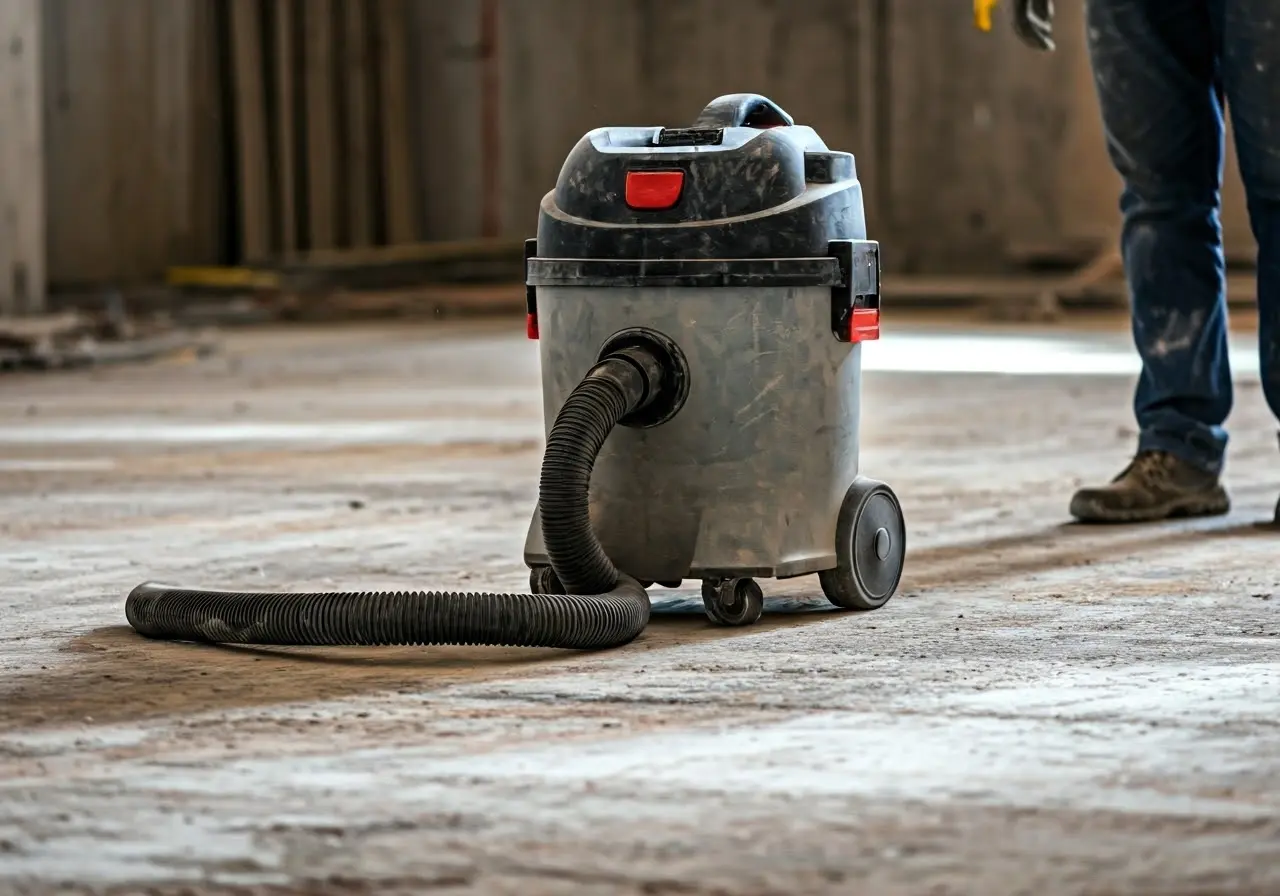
(604, 609)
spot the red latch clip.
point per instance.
(864, 325)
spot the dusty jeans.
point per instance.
(1163, 69)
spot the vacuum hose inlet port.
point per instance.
(601, 607)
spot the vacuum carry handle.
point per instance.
(743, 110)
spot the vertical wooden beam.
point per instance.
(135, 137)
(252, 144)
(490, 120)
(322, 172)
(209, 186)
(397, 176)
(173, 30)
(250, 104)
(286, 136)
(358, 157)
(22, 202)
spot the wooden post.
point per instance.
(398, 190)
(358, 156)
(251, 121)
(490, 120)
(321, 131)
(286, 133)
(22, 203)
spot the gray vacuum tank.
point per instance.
(740, 243)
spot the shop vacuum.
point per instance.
(699, 296)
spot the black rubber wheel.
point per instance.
(732, 601)
(871, 546)
(543, 580)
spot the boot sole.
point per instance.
(1213, 504)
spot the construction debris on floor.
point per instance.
(82, 339)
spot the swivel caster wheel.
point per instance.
(871, 546)
(732, 601)
(543, 580)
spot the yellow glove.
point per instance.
(1032, 20)
(982, 13)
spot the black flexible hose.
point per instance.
(603, 609)
(580, 430)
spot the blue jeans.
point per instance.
(1164, 69)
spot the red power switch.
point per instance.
(654, 189)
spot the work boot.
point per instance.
(1155, 486)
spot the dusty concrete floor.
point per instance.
(1043, 709)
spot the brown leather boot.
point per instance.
(1155, 486)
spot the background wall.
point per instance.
(22, 217)
(970, 146)
(976, 153)
(133, 138)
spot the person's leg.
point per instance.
(1155, 65)
(1251, 78)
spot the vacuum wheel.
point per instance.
(871, 546)
(732, 601)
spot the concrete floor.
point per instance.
(1043, 709)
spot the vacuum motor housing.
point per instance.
(738, 246)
